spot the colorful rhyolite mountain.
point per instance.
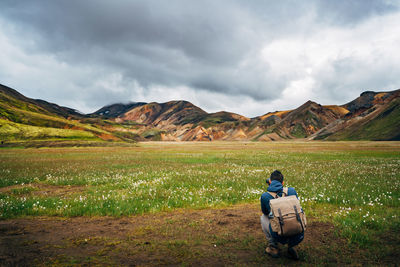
(372, 116)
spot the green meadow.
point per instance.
(354, 185)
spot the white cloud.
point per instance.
(335, 64)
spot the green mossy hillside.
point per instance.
(16, 131)
(386, 126)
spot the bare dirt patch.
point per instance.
(211, 237)
(43, 190)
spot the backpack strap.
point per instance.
(285, 191)
(275, 195)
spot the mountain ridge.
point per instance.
(372, 116)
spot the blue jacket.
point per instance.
(277, 187)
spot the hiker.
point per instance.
(270, 220)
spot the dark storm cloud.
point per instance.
(130, 26)
(151, 41)
(116, 50)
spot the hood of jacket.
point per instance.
(275, 186)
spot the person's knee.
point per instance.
(296, 240)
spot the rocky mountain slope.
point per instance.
(182, 121)
(114, 110)
(372, 116)
(306, 120)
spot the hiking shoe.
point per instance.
(272, 251)
(293, 254)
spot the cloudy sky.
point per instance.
(248, 57)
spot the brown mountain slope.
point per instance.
(307, 119)
(181, 121)
(164, 114)
(280, 114)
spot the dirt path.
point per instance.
(212, 237)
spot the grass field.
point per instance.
(353, 186)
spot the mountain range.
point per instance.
(371, 116)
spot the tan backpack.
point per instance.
(289, 218)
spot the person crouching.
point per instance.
(296, 219)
